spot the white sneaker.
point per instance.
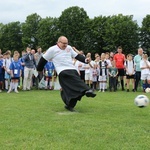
(103, 90)
(99, 91)
(8, 91)
(16, 91)
(0, 91)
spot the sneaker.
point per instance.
(103, 90)
(8, 91)
(90, 93)
(127, 90)
(99, 91)
(69, 108)
(16, 91)
(0, 91)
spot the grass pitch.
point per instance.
(37, 120)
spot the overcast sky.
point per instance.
(18, 10)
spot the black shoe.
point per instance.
(69, 108)
(123, 89)
(127, 90)
(133, 90)
(90, 93)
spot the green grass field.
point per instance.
(37, 120)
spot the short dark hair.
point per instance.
(119, 47)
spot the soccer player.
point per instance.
(73, 88)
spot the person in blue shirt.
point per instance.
(49, 71)
(1, 72)
(15, 72)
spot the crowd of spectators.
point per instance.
(103, 73)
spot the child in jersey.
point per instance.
(145, 71)
(95, 75)
(15, 72)
(1, 72)
(102, 73)
(130, 71)
(113, 72)
(49, 71)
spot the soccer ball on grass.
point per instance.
(141, 101)
(147, 90)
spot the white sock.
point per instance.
(104, 85)
(6, 84)
(50, 83)
(16, 85)
(46, 82)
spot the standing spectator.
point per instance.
(81, 67)
(119, 60)
(1, 72)
(107, 58)
(113, 71)
(28, 69)
(15, 72)
(22, 64)
(6, 64)
(102, 73)
(73, 88)
(89, 71)
(130, 71)
(145, 71)
(95, 75)
(49, 71)
(37, 57)
(97, 60)
(137, 60)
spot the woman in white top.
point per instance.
(145, 71)
(73, 88)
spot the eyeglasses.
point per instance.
(63, 43)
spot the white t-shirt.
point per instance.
(130, 67)
(143, 64)
(62, 59)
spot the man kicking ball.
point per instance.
(73, 88)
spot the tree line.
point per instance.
(100, 34)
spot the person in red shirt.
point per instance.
(119, 60)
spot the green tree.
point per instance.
(72, 24)
(94, 34)
(10, 36)
(145, 33)
(48, 32)
(29, 30)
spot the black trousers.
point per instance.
(137, 79)
(73, 87)
(112, 83)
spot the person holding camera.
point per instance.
(29, 65)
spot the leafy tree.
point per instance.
(48, 32)
(121, 30)
(94, 34)
(11, 36)
(29, 30)
(72, 24)
(145, 33)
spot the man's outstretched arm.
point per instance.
(41, 64)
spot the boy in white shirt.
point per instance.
(145, 71)
(130, 71)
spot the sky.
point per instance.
(18, 10)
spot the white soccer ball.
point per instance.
(147, 90)
(141, 101)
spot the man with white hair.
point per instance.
(137, 60)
